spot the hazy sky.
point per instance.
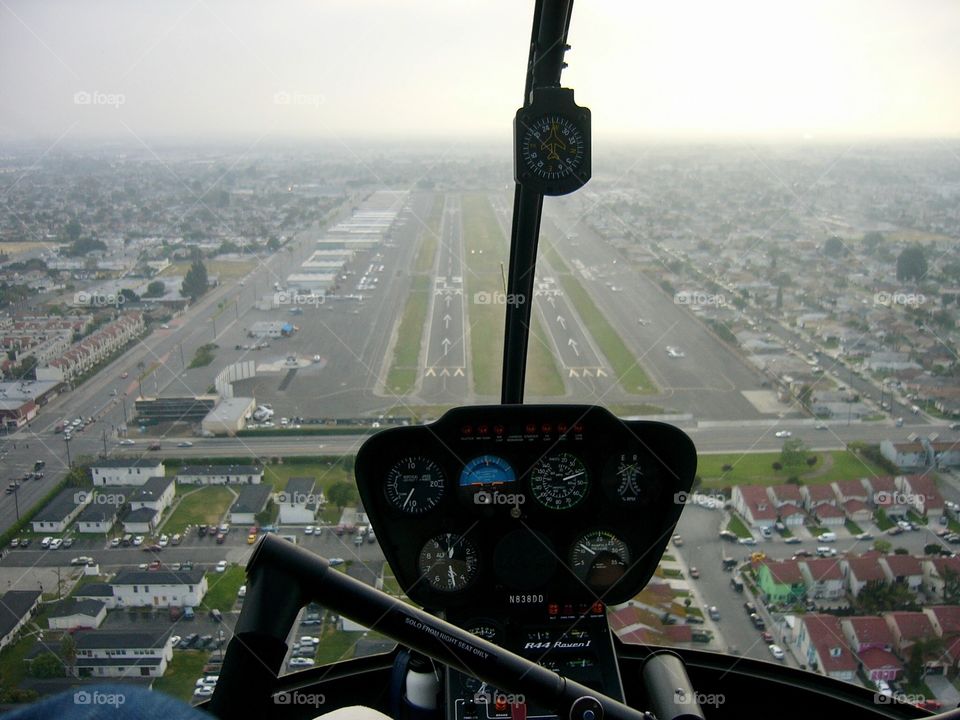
(348, 68)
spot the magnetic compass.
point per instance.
(552, 143)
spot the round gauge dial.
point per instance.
(414, 485)
(448, 562)
(487, 470)
(552, 146)
(628, 479)
(599, 558)
(485, 629)
(559, 481)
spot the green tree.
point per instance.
(871, 241)
(834, 247)
(273, 244)
(342, 493)
(129, 296)
(47, 665)
(794, 453)
(951, 587)
(72, 230)
(922, 650)
(68, 650)
(155, 289)
(882, 546)
(195, 282)
(912, 263)
(883, 597)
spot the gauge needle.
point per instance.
(588, 549)
(409, 495)
(575, 475)
(628, 468)
(453, 576)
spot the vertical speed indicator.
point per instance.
(414, 485)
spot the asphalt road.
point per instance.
(444, 376)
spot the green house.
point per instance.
(781, 581)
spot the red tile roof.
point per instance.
(787, 493)
(818, 493)
(851, 488)
(903, 565)
(756, 499)
(865, 569)
(870, 630)
(785, 572)
(913, 625)
(822, 569)
(825, 635)
(879, 659)
(948, 616)
(828, 511)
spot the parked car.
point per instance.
(713, 612)
(828, 537)
(677, 540)
(783, 434)
(222, 566)
(792, 540)
(300, 662)
(727, 535)
(694, 573)
(777, 652)
(758, 622)
(767, 637)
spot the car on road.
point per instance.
(758, 622)
(677, 540)
(115, 542)
(124, 375)
(221, 566)
(747, 541)
(767, 637)
(783, 434)
(153, 446)
(137, 541)
(251, 538)
(694, 573)
(749, 607)
(895, 530)
(777, 652)
(154, 565)
(185, 444)
(335, 561)
(823, 551)
(203, 691)
(308, 530)
(82, 560)
(820, 426)
(713, 612)
(300, 662)
(864, 536)
(56, 543)
(828, 537)
(165, 327)
(792, 540)
(128, 441)
(68, 542)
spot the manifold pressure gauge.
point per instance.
(552, 143)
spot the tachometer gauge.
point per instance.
(486, 629)
(628, 479)
(599, 558)
(414, 485)
(559, 481)
(487, 470)
(448, 562)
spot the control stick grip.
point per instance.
(668, 687)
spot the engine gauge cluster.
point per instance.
(494, 505)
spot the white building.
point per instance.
(126, 471)
(229, 416)
(298, 502)
(16, 609)
(122, 654)
(220, 475)
(73, 613)
(250, 500)
(159, 588)
(61, 510)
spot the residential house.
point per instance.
(945, 453)
(781, 581)
(143, 520)
(17, 607)
(823, 578)
(885, 496)
(109, 654)
(871, 641)
(220, 475)
(821, 641)
(829, 515)
(159, 588)
(156, 493)
(903, 570)
(251, 500)
(850, 490)
(816, 495)
(72, 613)
(857, 511)
(56, 515)
(921, 494)
(298, 502)
(754, 505)
(101, 592)
(126, 471)
(910, 627)
(100, 513)
(905, 455)
(945, 620)
(861, 572)
(941, 578)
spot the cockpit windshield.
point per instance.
(241, 241)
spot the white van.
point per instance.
(828, 537)
(824, 551)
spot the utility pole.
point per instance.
(16, 498)
(182, 362)
(214, 320)
(69, 461)
(104, 442)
